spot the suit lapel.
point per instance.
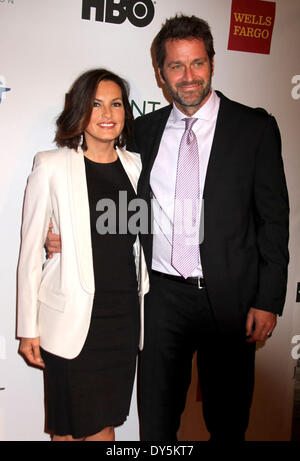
(80, 213)
(223, 139)
(222, 142)
(154, 135)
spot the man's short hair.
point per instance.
(182, 27)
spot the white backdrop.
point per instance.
(45, 45)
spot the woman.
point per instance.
(78, 314)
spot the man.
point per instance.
(242, 263)
(231, 286)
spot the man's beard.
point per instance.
(184, 101)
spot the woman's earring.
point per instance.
(80, 144)
(119, 140)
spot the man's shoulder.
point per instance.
(239, 109)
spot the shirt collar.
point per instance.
(207, 112)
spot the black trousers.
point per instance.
(178, 322)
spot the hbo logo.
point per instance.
(139, 12)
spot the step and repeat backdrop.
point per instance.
(44, 46)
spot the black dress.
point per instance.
(86, 394)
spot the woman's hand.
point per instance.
(53, 242)
(30, 349)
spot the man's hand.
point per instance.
(30, 349)
(53, 242)
(259, 325)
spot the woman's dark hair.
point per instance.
(77, 111)
(182, 27)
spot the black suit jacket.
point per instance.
(244, 253)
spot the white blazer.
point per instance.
(55, 298)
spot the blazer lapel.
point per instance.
(130, 165)
(80, 213)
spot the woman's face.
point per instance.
(108, 114)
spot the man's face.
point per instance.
(187, 73)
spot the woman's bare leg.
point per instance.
(65, 438)
(106, 435)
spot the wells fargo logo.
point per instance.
(251, 27)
